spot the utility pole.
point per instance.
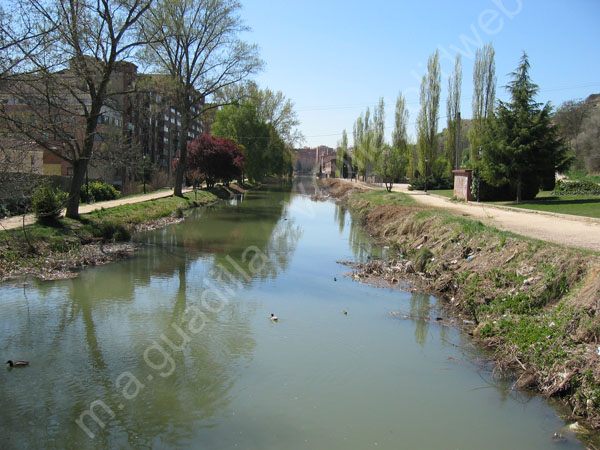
(458, 156)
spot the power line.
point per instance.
(463, 97)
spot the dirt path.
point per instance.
(17, 221)
(573, 231)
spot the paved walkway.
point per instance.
(17, 221)
(573, 231)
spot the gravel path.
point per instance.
(17, 221)
(572, 231)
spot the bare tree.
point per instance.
(71, 90)
(196, 44)
(571, 116)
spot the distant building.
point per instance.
(308, 159)
(328, 166)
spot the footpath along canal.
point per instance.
(174, 348)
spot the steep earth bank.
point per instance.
(533, 304)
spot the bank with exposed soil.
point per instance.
(533, 304)
(60, 250)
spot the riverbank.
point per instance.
(534, 305)
(62, 249)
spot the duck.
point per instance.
(274, 318)
(345, 312)
(12, 363)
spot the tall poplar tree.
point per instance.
(484, 96)
(342, 155)
(453, 112)
(427, 121)
(399, 134)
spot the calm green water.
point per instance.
(174, 348)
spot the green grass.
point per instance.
(109, 224)
(581, 175)
(443, 192)
(377, 198)
(577, 205)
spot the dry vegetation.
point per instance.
(533, 304)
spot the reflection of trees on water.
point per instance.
(420, 307)
(236, 237)
(112, 314)
(205, 371)
(362, 244)
(340, 216)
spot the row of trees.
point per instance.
(252, 137)
(514, 147)
(195, 44)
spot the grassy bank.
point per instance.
(533, 304)
(578, 205)
(56, 250)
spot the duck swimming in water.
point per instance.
(274, 318)
(12, 363)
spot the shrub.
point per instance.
(576, 188)
(109, 230)
(98, 192)
(48, 202)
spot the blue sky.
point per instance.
(335, 58)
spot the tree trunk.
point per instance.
(79, 168)
(182, 152)
(519, 183)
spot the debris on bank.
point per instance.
(533, 304)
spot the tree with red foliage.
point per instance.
(213, 159)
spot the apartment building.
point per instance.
(137, 124)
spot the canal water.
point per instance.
(174, 348)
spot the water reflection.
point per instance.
(340, 217)
(420, 306)
(361, 243)
(227, 385)
(249, 238)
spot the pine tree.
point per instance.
(522, 146)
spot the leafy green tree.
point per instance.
(242, 125)
(427, 121)
(521, 146)
(272, 107)
(391, 165)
